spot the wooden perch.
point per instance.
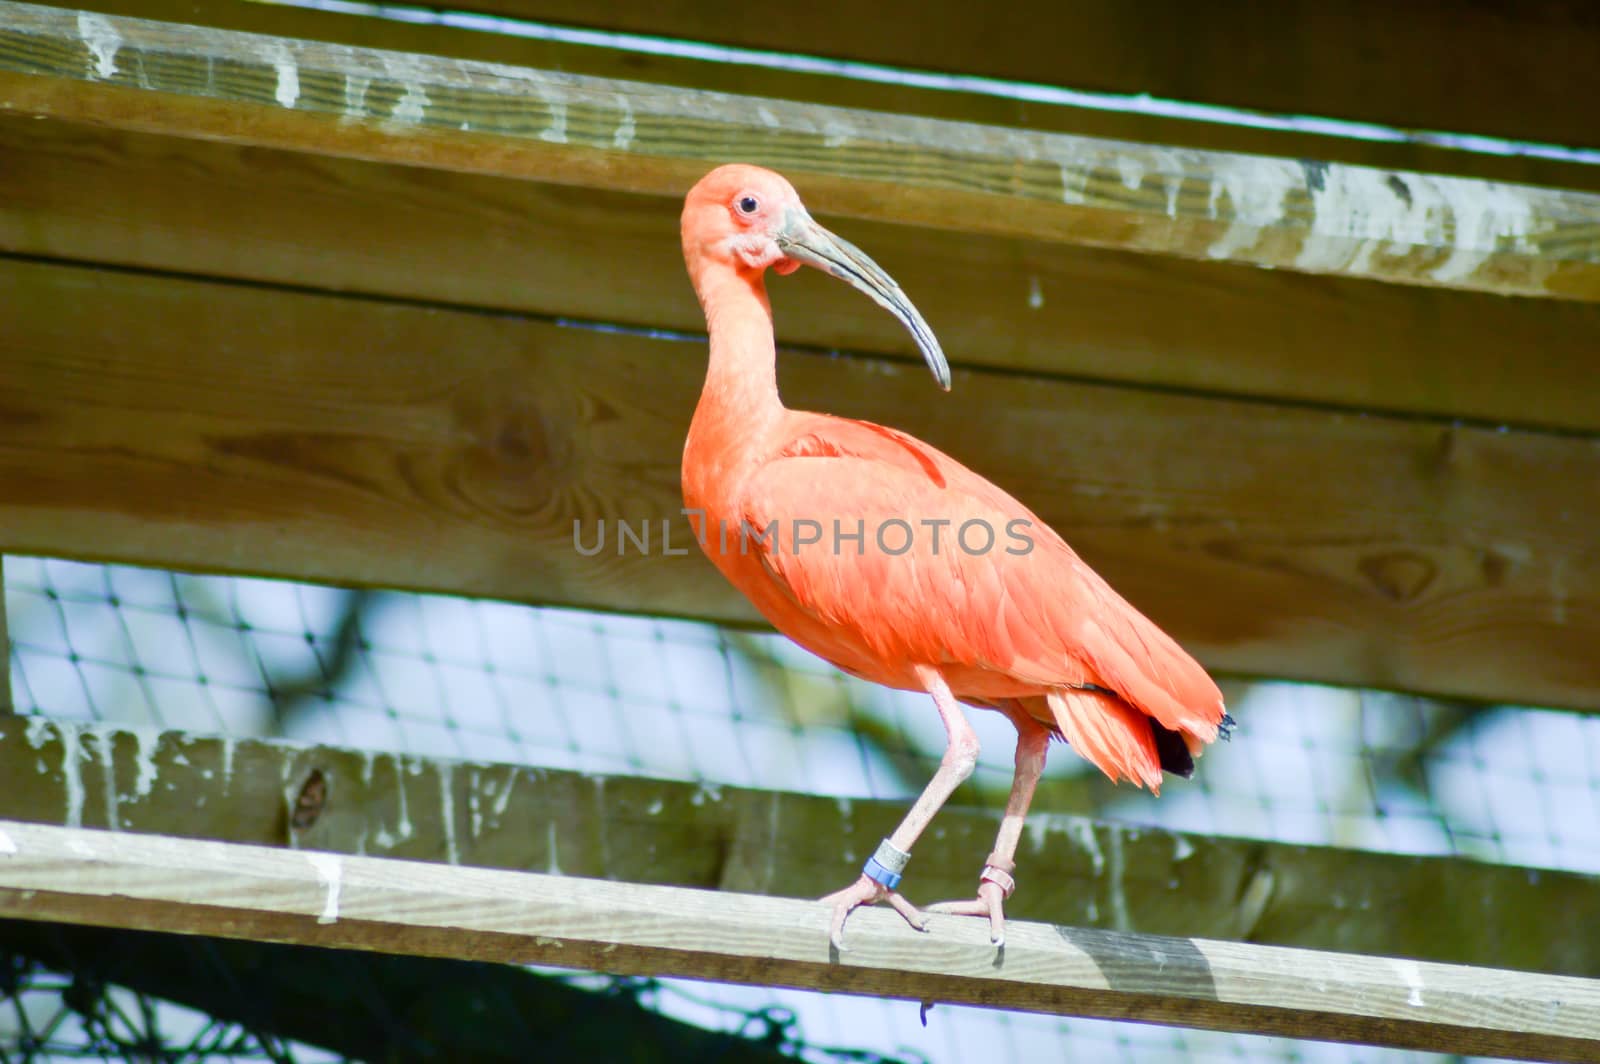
(515, 121)
(105, 879)
(1075, 870)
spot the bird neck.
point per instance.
(741, 388)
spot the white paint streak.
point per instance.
(1073, 182)
(149, 741)
(474, 803)
(1035, 294)
(1131, 171)
(556, 131)
(503, 799)
(623, 137)
(1360, 214)
(706, 792)
(106, 754)
(447, 810)
(412, 105)
(1486, 216)
(1119, 898)
(553, 866)
(39, 730)
(412, 72)
(1257, 192)
(103, 42)
(7, 846)
(228, 747)
(288, 90)
(655, 807)
(1083, 833)
(1182, 848)
(1411, 974)
(330, 874)
(355, 95)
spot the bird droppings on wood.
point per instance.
(288, 86)
(330, 874)
(102, 40)
(1252, 209)
(1410, 973)
(565, 814)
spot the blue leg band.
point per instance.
(879, 874)
(885, 866)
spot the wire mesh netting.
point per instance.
(442, 676)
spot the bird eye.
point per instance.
(748, 205)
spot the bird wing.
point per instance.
(1035, 613)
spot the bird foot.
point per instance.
(867, 891)
(995, 885)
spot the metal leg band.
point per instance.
(1003, 880)
(885, 866)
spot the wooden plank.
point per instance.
(1523, 71)
(1074, 869)
(960, 101)
(259, 215)
(520, 122)
(80, 876)
(353, 441)
(388, 1007)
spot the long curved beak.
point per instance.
(803, 240)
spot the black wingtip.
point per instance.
(1172, 751)
(1225, 729)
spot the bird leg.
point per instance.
(995, 884)
(881, 875)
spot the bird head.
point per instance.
(748, 219)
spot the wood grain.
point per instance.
(1073, 869)
(167, 203)
(1314, 217)
(208, 426)
(80, 876)
(1522, 71)
(958, 101)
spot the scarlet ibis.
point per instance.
(1021, 626)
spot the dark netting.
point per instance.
(440, 676)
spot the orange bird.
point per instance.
(901, 566)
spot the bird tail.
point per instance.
(1111, 734)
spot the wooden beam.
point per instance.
(7, 704)
(1522, 71)
(233, 891)
(349, 440)
(388, 1007)
(1074, 869)
(627, 136)
(448, 36)
(1054, 309)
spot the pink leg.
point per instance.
(960, 757)
(996, 883)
